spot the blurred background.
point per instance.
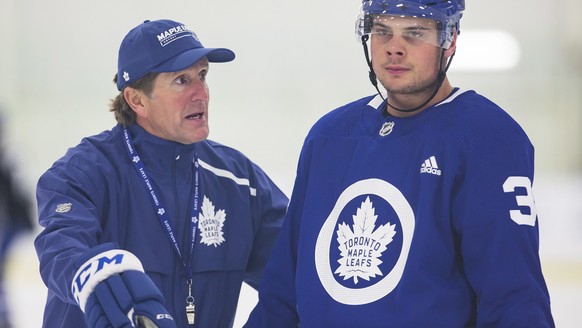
(296, 60)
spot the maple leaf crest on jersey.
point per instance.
(362, 247)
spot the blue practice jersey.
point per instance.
(423, 221)
(94, 195)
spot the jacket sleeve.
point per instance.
(269, 208)
(68, 212)
(277, 304)
(496, 221)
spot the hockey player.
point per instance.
(411, 208)
(151, 224)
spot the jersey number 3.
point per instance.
(526, 200)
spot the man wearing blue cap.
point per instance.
(151, 224)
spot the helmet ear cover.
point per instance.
(368, 21)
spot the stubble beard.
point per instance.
(414, 88)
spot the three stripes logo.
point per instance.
(430, 166)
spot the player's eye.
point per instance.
(381, 31)
(415, 34)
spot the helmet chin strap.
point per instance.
(439, 81)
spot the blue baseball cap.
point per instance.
(162, 46)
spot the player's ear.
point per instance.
(134, 99)
(449, 52)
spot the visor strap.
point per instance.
(371, 73)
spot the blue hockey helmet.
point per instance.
(447, 14)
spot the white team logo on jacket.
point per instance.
(360, 249)
(210, 223)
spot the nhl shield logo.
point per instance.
(386, 128)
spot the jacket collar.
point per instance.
(160, 154)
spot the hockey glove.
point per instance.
(113, 291)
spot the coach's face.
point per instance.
(177, 108)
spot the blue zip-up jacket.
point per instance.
(93, 195)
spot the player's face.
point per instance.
(405, 54)
(177, 109)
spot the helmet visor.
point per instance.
(441, 14)
(411, 30)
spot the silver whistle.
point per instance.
(190, 312)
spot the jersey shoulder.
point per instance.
(348, 119)
(477, 117)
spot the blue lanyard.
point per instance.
(159, 207)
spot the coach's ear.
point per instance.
(134, 99)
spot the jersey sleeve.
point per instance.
(496, 220)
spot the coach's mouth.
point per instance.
(197, 116)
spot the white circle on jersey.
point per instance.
(372, 293)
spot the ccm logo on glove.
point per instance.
(99, 268)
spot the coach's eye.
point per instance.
(181, 80)
(203, 74)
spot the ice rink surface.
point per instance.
(559, 202)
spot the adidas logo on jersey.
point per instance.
(430, 166)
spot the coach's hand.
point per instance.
(113, 291)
